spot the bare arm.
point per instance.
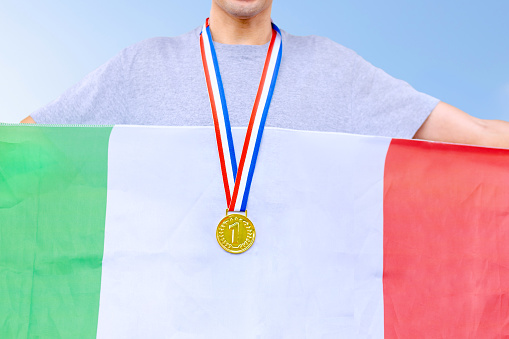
(449, 124)
(28, 120)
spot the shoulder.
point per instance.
(162, 47)
(317, 47)
(314, 54)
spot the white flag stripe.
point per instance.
(309, 274)
(219, 108)
(256, 124)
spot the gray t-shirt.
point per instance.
(322, 86)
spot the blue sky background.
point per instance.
(457, 51)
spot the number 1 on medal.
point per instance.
(233, 232)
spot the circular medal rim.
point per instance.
(241, 250)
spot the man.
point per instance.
(322, 86)
(309, 283)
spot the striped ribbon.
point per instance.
(239, 178)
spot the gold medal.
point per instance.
(235, 233)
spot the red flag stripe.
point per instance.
(446, 241)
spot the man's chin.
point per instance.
(243, 9)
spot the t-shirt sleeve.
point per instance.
(98, 99)
(387, 106)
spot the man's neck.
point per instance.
(227, 29)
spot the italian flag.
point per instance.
(109, 232)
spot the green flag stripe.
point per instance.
(52, 214)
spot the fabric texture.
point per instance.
(112, 232)
(309, 274)
(322, 86)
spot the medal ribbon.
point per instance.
(237, 181)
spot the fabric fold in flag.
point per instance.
(446, 221)
(53, 185)
(109, 232)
